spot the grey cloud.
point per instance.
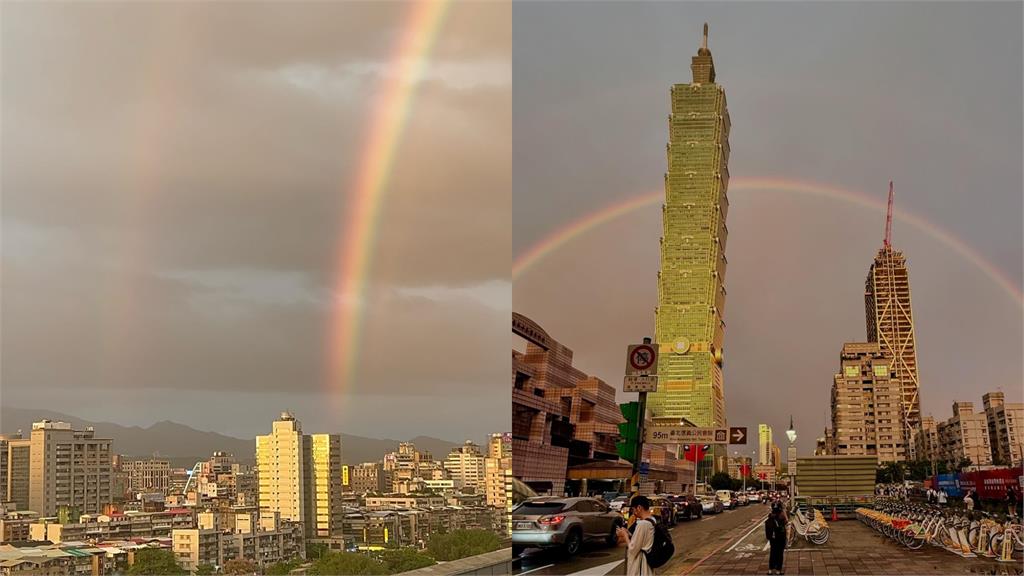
(175, 183)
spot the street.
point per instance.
(694, 540)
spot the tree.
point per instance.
(405, 559)
(462, 543)
(316, 550)
(919, 470)
(963, 463)
(346, 563)
(156, 562)
(721, 481)
(942, 467)
(283, 568)
(204, 570)
(240, 566)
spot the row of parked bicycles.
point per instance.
(967, 534)
(810, 526)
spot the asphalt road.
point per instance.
(694, 540)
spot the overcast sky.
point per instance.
(175, 180)
(848, 95)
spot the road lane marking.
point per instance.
(704, 559)
(749, 532)
(535, 569)
(598, 570)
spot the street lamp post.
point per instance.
(791, 435)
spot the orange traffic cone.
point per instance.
(834, 515)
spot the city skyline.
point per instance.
(824, 116)
(255, 209)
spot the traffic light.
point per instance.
(628, 431)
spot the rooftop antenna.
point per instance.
(888, 219)
(704, 42)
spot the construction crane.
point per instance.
(888, 219)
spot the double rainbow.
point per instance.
(356, 247)
(581, 226)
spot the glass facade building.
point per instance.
(689, 323)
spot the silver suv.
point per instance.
(565, 523)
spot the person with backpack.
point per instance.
(648, 544)
(775, 533)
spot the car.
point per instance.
(727, 500)
(741, 499)
(687, 506)
(711, 504)
(565, 523)
(754, 496)
(663, 509)
(618, 503)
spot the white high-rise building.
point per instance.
(764, 444)
(300, 477)
(279, 458)
(466, 465)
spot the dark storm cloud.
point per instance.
(850, 95)
(175, 183)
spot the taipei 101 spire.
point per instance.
(689, 319)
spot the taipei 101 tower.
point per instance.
(689, 319)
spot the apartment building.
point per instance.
(67, 468)
(262, 538)
(1005, 428)
(300, 476)
(151, 475)
(965, 435)
(115, 526)
(926, 440)
(466, 466)
(367, 477)
(866, 405)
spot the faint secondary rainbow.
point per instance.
(581, 226)
(356, 246)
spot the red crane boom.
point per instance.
(888, 218)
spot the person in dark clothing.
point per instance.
(775, 532)
(1011, 500)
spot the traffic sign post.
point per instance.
(642, 359)
(737, 435)
(686, 435)
(641, 367)
(640, 384)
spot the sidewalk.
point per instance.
(852, 549)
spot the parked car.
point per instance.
(618, 503)
(711, 504)
(687, 506)
(726, 497)
(565, 523)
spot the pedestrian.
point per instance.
(642, 538)
(1011, 500)
(775, 533)
(942, 497)
(931, 495)
(969, 500)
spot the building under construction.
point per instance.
(890, 323)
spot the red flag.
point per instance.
(744, 470)
(695, 452)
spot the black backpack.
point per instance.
(662, 549)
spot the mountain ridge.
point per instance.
(184, 445)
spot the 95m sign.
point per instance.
(686, 435)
